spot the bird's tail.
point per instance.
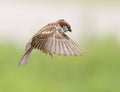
(25, 57)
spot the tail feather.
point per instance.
(24, 58)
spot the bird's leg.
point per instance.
(47, 53)
(50, 54)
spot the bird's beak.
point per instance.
(70, 30)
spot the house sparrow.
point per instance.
(53, 40)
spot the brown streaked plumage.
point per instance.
(52, 39)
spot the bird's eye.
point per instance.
(69, 27)
(62, 20)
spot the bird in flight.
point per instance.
(52, 39)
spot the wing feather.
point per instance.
(52, 41)
(69, 48)
(42, 44)
(75, 46)
(74, 49)
(49, 44)
(53, 45)
(66, 49)
(73, 52)
(61, 47)
(36, 43)
(57, 48)
(40, 41)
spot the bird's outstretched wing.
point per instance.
(51, 40)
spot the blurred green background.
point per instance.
(96, 28)
(96, 71)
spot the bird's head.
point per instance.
(66, 26)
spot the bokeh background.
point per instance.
(96, 27)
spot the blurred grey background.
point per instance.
(20, 19)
